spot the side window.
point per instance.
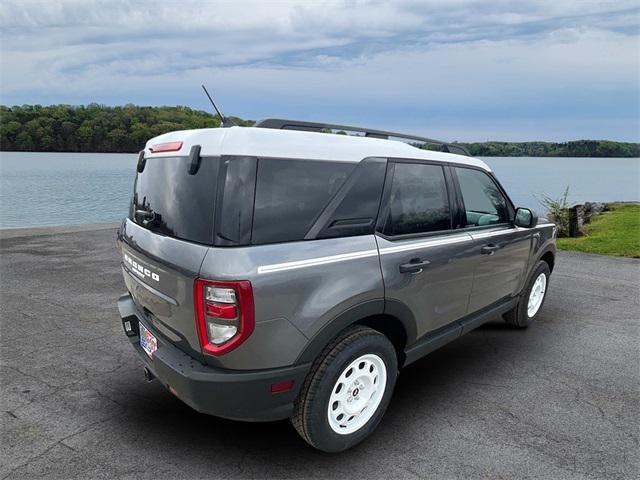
(483, 202)
(356, 213)
(290, 194)
(418, 202)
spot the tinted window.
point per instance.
(233, 224)
(170, 201)
(483, 202)
(418, 202)
(290, 194)
(357, 211)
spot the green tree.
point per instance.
(100, 128)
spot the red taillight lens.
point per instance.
(224, 314)
(221, 311)
(166, 147)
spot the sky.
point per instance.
(458, 70)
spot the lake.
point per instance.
(40, 189)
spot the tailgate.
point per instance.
(159, 272)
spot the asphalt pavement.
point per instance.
(559, 400)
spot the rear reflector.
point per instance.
(166, 147)
(281, 386)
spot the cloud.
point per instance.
(482, 68)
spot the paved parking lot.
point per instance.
(560, 400)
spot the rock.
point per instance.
(594, 208)
(579, 215)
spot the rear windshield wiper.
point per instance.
(146, 217)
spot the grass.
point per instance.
(616, 232)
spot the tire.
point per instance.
(521, 316)
(329, 381)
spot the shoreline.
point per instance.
(6, 233)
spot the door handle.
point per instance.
(415, 265)
(489, 249)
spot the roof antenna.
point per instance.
(226, 122)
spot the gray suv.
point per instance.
(282, 271)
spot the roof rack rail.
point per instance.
(282, 124)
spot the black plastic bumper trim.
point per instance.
(238, 395)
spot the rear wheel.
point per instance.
(531, 299)
(347, 391)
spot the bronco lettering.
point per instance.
(140, 270)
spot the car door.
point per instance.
(501, 249)
(427, 266)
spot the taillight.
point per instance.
(224, 314)
(166, 147)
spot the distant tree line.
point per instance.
(99, 128)
(93, 128)
(577, 148)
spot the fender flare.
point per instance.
(535, 257)
(550, 247)
(353, 315)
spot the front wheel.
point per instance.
(347, 391)
(532, 297)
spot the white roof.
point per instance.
(267, 142)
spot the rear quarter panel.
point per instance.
(298, 288)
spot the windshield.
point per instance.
(170, 201)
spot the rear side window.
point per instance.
(170, 201)
(290, 194)
(484, 204)
(418, 201)
(357, 210)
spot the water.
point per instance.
(526, 179)
(39, 189)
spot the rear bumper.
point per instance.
(234, 394)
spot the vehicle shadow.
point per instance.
(267, 449)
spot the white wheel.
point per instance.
(357, 394)
(536, 295)
(347, 391)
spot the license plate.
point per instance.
(148, 342)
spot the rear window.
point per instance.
(170, 201)
(290, 194)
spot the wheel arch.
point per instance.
(392, 328)
(394, 321)
(549, 257)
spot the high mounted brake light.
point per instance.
(166, 147)
(224, 314)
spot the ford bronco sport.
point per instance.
(282, 271)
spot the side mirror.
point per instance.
(525, 218)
